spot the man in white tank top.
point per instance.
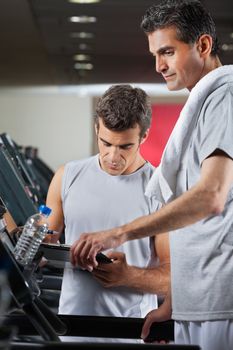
(104, 191)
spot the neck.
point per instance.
(139, 162)
(212, 63)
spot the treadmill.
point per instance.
(19, 161)
(39, 328)
(14, 192)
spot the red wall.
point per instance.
(164, 118)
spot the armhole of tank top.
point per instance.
(64, 181)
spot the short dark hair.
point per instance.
(189, 17)
(123, 107)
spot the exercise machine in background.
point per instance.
(37, 326)
(35, 323)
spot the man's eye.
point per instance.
(126, 147)
(169, 52)
(106, 144)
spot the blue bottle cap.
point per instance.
(44, 210)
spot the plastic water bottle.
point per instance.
(33, 234)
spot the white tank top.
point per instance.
(94, 200)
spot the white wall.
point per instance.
(58, 120)
(58, 124)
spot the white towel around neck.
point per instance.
(164, 180)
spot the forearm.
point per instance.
(56, 225)
(205, 199)
(54, 238)
(150, 280)
(189, 208)
(10, 223)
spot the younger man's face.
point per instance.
(119, 150)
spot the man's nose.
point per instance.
(114, 154)
(161, 65)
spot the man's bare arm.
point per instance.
(53, 201)
(206, 198)
(163, 313)
(153, 280)
(10, 223)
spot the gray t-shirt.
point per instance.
(202, 254)
(94, 200)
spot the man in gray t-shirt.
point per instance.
(194, 180)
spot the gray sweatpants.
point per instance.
(209, 335)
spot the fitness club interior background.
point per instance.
(54, 67)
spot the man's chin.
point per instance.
(174, 87)
(113, 171)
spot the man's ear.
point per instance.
(144, 137)
(204, 45)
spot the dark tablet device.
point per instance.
(103, 259)
(61, 253)
(56, 252)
